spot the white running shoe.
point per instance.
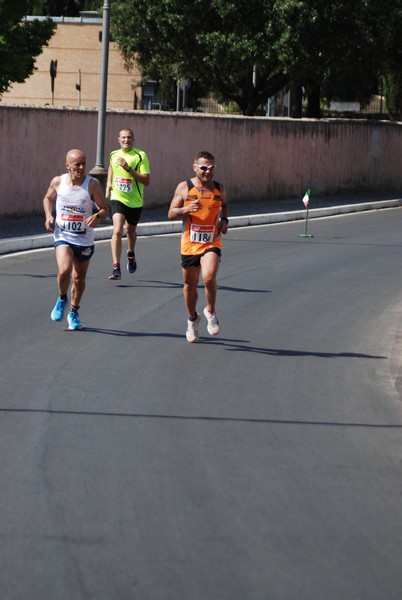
(213, 323)
(73, 320)
(192, 330)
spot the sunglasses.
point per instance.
(205, 168)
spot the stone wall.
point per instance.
(257, 157)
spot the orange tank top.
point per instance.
(200, 229)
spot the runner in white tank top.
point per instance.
(75, 195)
(74, 206)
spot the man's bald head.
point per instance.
(75, 155)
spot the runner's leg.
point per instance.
(64, 259)
(131, 231)
(209, 271)
(116, 242)
(80, 269)
(190, 293)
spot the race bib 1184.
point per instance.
(202, 234)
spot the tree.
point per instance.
(247, 50)
(336, 49)
(392, 74)
(20, 42)
(63, 8)
(230, 46)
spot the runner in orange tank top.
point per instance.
(202, 205)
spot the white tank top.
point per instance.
(73, 206)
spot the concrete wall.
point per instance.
(257, 158)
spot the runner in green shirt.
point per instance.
(127, 175)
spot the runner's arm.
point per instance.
(224, 212)
(48, 201)
(177, 208)
(97, 197)
(109, 181)
(143, 178)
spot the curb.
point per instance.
(34, 242)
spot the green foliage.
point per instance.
(338, 48)
(166, 93)
(217, 44)
(20, 43)
(245, 51)
(334, 48)
(392, 79)
(62, 8)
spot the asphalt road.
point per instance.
(264, 464)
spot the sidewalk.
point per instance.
(27, 233)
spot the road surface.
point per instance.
(264, 464)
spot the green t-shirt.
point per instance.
(125, 188)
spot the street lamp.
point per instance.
(99, 170)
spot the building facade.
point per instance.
(77, 47)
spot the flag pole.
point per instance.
(306, 201)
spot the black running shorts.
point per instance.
(131, 215)
(194, 260)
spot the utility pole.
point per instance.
(99, 170)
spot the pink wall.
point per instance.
(257, 158)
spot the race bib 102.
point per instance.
(72, 222)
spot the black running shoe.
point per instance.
(131, 262)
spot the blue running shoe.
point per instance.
(73, 320)
(131, 262)
(116, 273)
(58, 312)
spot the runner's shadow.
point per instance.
(230, 347)
(229, 344)
(162, 284)
(32, 275)
(121, 333)
(227, 288)
(146, 334)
